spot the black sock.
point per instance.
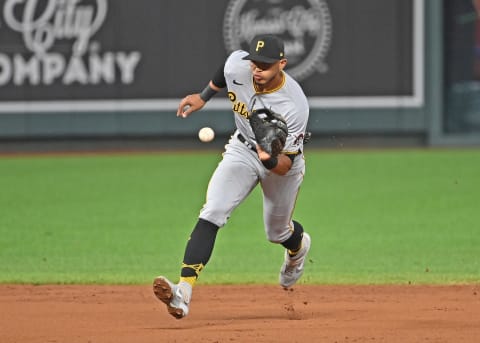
(294, 242)
(199, 248)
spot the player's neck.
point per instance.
(272, 85)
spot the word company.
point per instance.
(58, 47)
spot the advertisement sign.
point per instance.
(120, 55)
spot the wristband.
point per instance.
(271, 163)
(207, 93)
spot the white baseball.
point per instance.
(206, 134)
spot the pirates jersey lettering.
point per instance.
(238, 106)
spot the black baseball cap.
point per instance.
(266, 49)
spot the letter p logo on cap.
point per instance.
(260, 44)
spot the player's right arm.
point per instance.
(195, 102)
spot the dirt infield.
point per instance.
(117, 314)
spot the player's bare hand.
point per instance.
(189, 104)
(262, 154)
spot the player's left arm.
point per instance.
(296, 120)
(294, 143)
(283, 162)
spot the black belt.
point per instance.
(247, 143)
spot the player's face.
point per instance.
(265, 73)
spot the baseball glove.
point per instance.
(270, 130)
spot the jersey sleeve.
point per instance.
(218, 78)
(236, 68)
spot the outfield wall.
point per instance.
(99, 68)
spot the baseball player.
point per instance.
(265, 155)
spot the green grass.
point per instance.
(374, 217)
